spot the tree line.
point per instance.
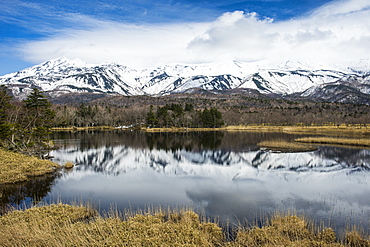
(175, 115)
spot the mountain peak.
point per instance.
(64, 62)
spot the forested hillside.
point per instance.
(235, 110)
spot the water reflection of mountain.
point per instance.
(114, 160)
(351, 157)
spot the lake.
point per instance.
(220, 174)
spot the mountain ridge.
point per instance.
(291, 78)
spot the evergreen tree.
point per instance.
(33, 132)
(5, 105)
(189, 107)
(211, 118)
(38, 109)
(151, 120)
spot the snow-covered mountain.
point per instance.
(61, 76)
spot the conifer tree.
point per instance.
(5, 105)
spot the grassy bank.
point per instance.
(64, 225)
(325, 129)
(16, 167)
(336, 141)
(313, 129)
(284, 146)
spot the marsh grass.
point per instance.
(16, 167)
(286, 230)
(358, 142)
(329, 129)
(65, 225)
(285, 146)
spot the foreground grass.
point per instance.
(64, 225)
(16, 167)
(336, 141)
(52, 226)
(284, 146)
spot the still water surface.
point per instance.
(219, 174)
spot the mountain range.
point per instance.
(291, 79)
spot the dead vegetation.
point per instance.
(65, 225)
(357, 142)
(285, 146)
(15, 167)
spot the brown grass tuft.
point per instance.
(16, 167)
(359, 142)
(284, 146)
(285, 231)
(69, 165)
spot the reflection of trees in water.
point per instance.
(190, 141)
(95, 139)
(347, 156)
(35, 190)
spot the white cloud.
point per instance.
(127, 44)
(334, 33)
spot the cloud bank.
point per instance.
(335, 33)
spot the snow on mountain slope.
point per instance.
(290, 81)
(62, 76)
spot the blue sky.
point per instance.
(147, 33)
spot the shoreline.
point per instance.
(314, 129)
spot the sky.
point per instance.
(147, 33)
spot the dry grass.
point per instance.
(359, 142)
(313, 129)
(330, 129)
(72, 129)
(16, 167)
(284, 146)
(175, 129)
(325, 129)
(64, 225)
(52, 226)
(69, 165)
(286, 231)
(298, 128)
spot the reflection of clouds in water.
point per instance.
(362, 198)
(233, 202)
(336, 198)
(303, 205)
